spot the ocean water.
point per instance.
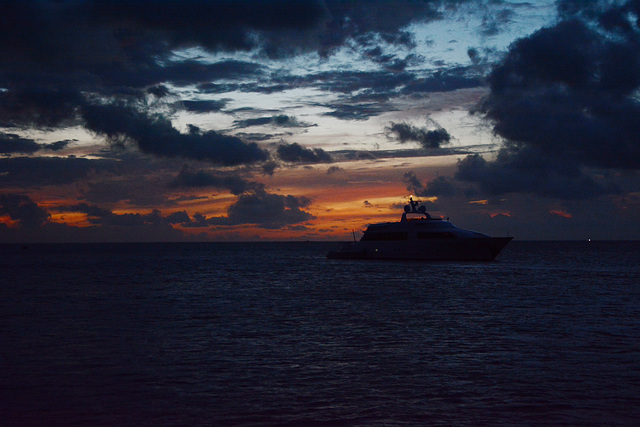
(276, 334)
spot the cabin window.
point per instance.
(388, 235)
(436, 235)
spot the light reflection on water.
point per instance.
(265, 334)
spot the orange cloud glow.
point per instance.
(495, 214)
(561, 213)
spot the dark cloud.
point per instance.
(528, 170)
(565, 100)
(156, 135)
(360, 111)
(268, 210)
(190, 72)
(296, 153)
(58, 145)
(39, 107)
(203, 106)
(425, 137)
(159, 91)
(105, 217)
(12, 143)
(377, 86)
(102, 37)
(493, 23)
(366, 83)
(281, 120)
(439, 187)
(356, 20)
(135, 189)
(446, 81)
(195, 179)
(392, 62)
(180, 217)
(569, 91)
(59, 61)
(269, 167)
(92, 211)
(33, 224)
(22, 209)
(225, 24)
(41, 171)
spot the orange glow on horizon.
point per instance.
(495, 214)
(8, 221)
(561, 213)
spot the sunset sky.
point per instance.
(304, 120)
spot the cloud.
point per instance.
(196, 179)
(494, 21)
(38, 106)
(156, 135)
(58, 145)
(180, 217)
(570, 91)
(298, 154)
(439, 187)
(62, 61)
(565, 101)
(105, 217)
(281, 120)
(39, 171)
(267, 210)
(203, 106)
(107, 227)
(427, 138)
(355, 20)
(530, 171)
(136, 190)
(361, 111)
(12, 143)
(446, 81)
(69, 63)
(92, 211)
(269, 167)
(225, 24)
(22, 209)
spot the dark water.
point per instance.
(275, 334)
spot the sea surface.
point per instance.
(275, 334)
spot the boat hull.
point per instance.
(465, 249)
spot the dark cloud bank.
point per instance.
(257, 207)
(565, 101)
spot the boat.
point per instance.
(419, 236)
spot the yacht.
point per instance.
(419, 236)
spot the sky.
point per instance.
(234, 120)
